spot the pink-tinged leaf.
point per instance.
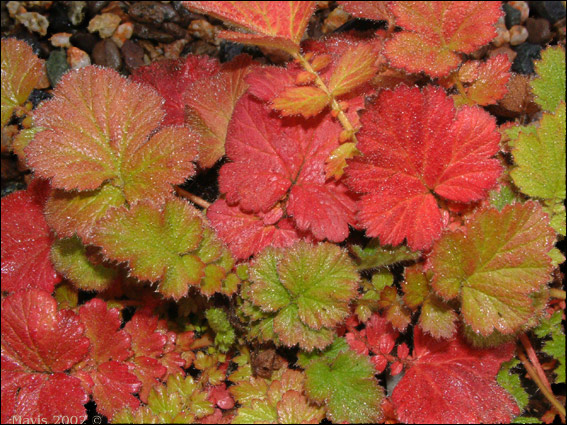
(279, 24)
(21, 72)
(102, 327)
(246, 234)
(486, 81)
(113, 388)
(437, 31)
(171, 78)
(375, 10)
(494, 264)
(209, 103)
(414, 144)
(380, 334)
(109, 139)
(221, 397)
(149, 371)
(450, 382)
(147, 340)
(26, 241)
(304, 100)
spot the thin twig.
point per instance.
(534, 360)
(193, 198)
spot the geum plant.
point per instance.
(261, 307)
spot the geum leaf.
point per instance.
(26, 241)
(435, 32)
(450, 382)
(39, 344)
(306, 290)
(21, 72)
(493, 266)
(279, 166)
(549, 87)
(417, 147)
(375, 10)
(97, 132)
(277, 24)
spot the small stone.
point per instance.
(502, 34)
(553, 11)
(175, 30)
(518, 100)
(173, 50)
(503, 50)
(335, 19)
(518, 35)
(523, 7)
(151, 12)
(538, 30)
(96, 6)
(150, 33)
(34, 22)
(84, 41)
(201, 47)
(182, 16)
(61, 39)
(76, 11)
(104, 24)
(123, 32)
(77, 58)
(56, 66)
(202, 29)
(59, 19)
(118, 8)
(15, 8)
(133, 55)
(106, 53)
(524, 62)
(513, 16)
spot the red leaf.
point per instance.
(26, 241)
(108, 341)
(450, 382)
(146, 339)
(380, 334)
(220, 396)
(39, 338)
(421, 146)
(171, 79)
(113, 388)
(375, 10)
(280, 24)
(150, 372)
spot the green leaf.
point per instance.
(258, 412)
(437, 318)
(511, 383)
(540, 158)
(329, 354)
(415, 286)
(549, 88)
(69, 257)
(375, 256)
(224, 333)
(308, 287)
(347, 386)
(555, 347)
(502, 197)
(494, 265)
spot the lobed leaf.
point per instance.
(375, 10)
(355, 67)
(421, 147)
(435, 32)
(549, 88)
(304, 100)
(450, 382)
(554, 347)
(494, 265)
(511, 383)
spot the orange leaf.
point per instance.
(306, 100)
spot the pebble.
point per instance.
(513, 16)
(34, 22)
(518, 34)
(503, 50)
(84, 41)
(175, 30)
(335, 19)
(538, 30)
(123, 32)
(94, 7)
(502, 34)
(553, 11)
(524, 62)
(151, 12)
(104, 24)
(56, 66)
(518, 100)
(522, 6)
(132, 54)
(150, 33)
(77, 58)
(106, 53)
(202, 29)
(182, 16)
(61, 39)
(76, 11)
(59, 19)
(173, 50)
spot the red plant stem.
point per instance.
(534, 360)
(547, 393)
(193, 198)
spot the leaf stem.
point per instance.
(534, 360)
(547, 393)
(341, 116)
(193, 198)
(557, 293)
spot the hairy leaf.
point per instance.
(21, 71)
(305, 100)
(375, 10)
(355, 67)
(415, 144)
(373, 255)
(436, 31)
(278, 24)
(308, 288)
(347, 387)
(26, 241)
(549, 88)
(511, 383)
(224, 332)
(109, 139)
(449, 382)
(113, 388)
(493, 266)
(555, 347)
